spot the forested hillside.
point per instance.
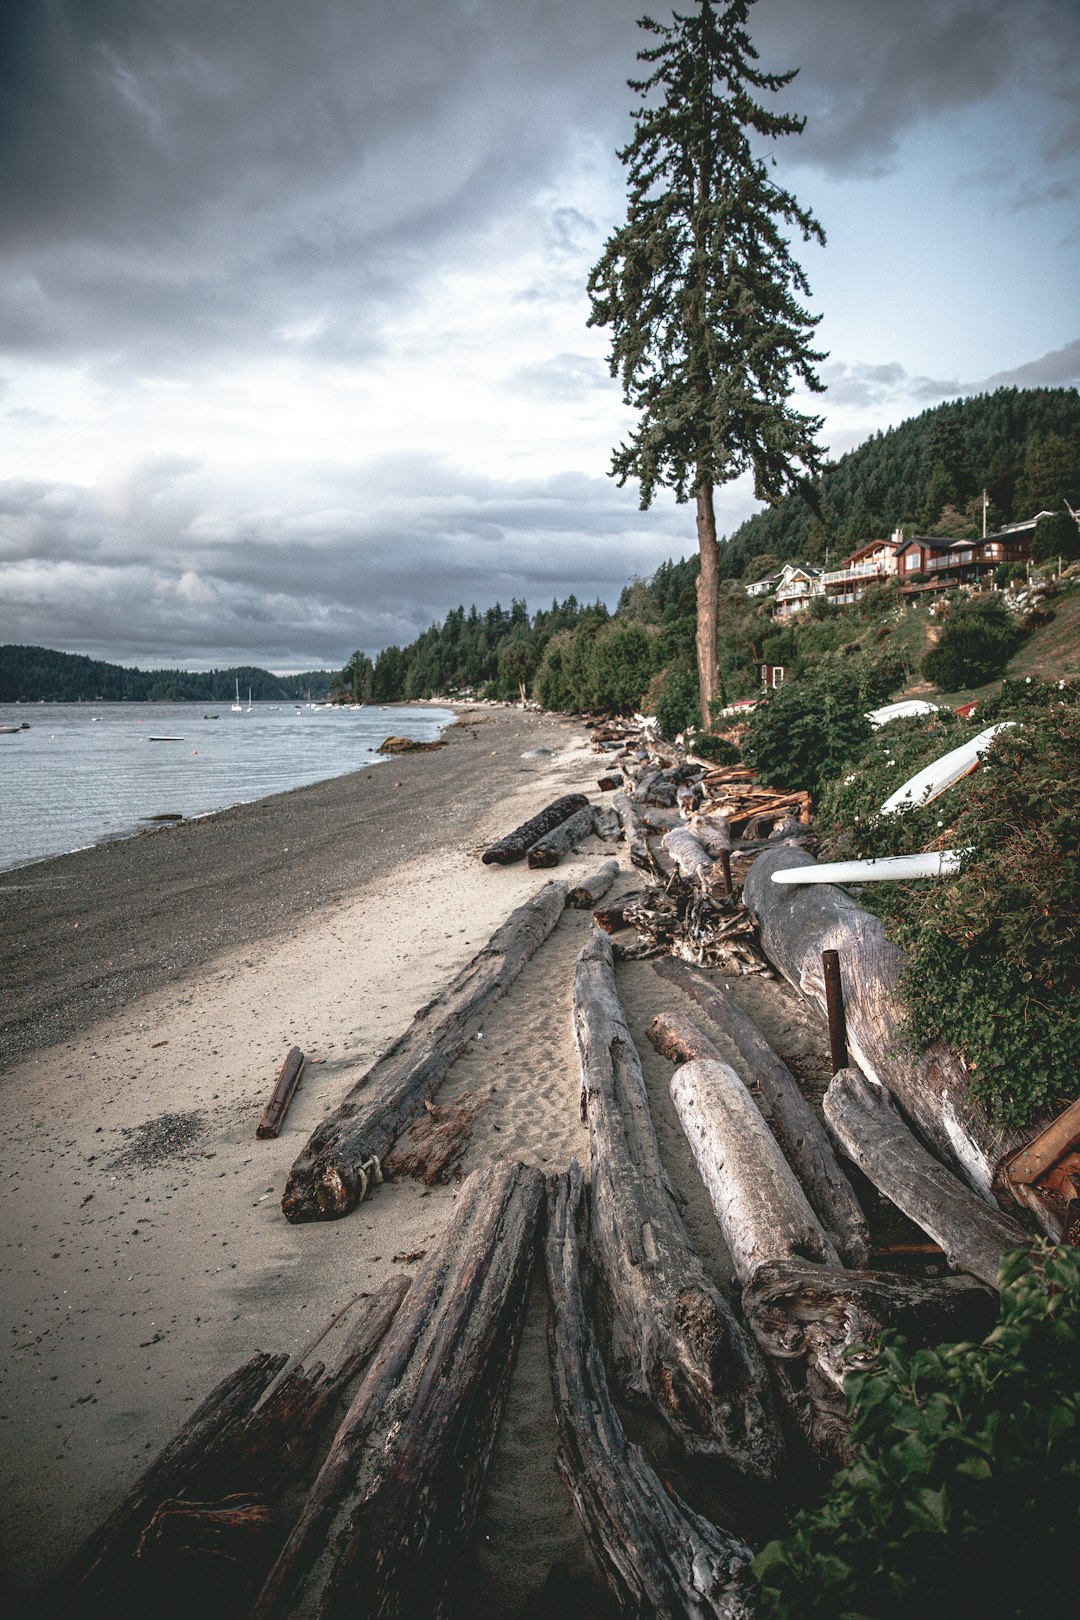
(36, 674)
(1021, 445)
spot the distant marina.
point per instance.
(73, 774)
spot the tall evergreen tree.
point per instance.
(700, 287)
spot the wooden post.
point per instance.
(834, 1008)
(724, 857)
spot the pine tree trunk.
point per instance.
(708, 596)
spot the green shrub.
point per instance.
(1057, 535)
(977, 641)
(619, 666)
(673, 698)
(963, 1498)
(551, 685)
(716, 749)
(809, 731)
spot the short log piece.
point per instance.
(552, 846)
(687, 853)
(591, 890)
(865, 1122)
(386, 1525)
(612, 917)
(659, 1557)
(641, 854)
(282, 1095)
(796, 1126)
(331, 1174)
(606, 823)
(762, 1210)
(516, 844)
(679, 1039)
(677, 1341)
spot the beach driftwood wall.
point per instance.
(331, 1175)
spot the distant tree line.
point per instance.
(40, 674)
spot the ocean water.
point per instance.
(84, 772)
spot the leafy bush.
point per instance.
(1057, 535)
(619, 666)
(809, 731)
(977, 640)
(673, 698)
(717, 749)
(963, 1499)
(993, 966)
(551, 686)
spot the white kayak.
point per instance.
(885, 869)
(934, 779)
(901, 711)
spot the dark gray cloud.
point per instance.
(869, 386)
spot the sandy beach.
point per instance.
(152, 989)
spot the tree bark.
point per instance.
(808, 1319)
(331, 1174)
(793, 1122)
(708, 598)
(677, 1341)
(797, 923)
(864, 1120)
(641, 855)
(593, 889)
(762, 1210)
(515, 845)
(659, 1557)
(386, 1525)
(552, 846)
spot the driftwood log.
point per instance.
(606, 823)
(762, 1210)
(817, 1322)
(552, 846)
(865, 1122)
(641, 854)
(798, 923)
(386, 1525)
(591, 890)
(677, 1341)
(794, 1123)
(331, 1174)
(687, 853)
(679, 1039)
(282, 1095)
(247, 1439)
(658, 1555)
(612, 916)
(516, 844)
(430, 1149)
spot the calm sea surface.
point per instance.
(88, 771)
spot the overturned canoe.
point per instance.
(934, 779)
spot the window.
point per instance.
(778, 675)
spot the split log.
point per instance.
(593, 889)
(793, 1122)
(816, 1323)
(431, 1148)
(659, 1557)
(641, 855)
(552, 846)
(687, 853)
(797, 924)
(763, 1212)
(677, 1342)
(282, 1095)
(386, 1525)
(865, 1122)
(331, 1174)
(232, 1534)
(515, 845)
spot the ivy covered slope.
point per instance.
(994, 967)
(963, 1500)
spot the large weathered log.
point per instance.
(515, 845)
(658, 1555)
(799, 922)
(817, 1322)
(688, 855)
(865, 1122)
(386, 1525)
(431, 1148)
(676, 1339)
(641, 854)
(762, 1210)
(550, 848)
(794, 1123)
(592, 889)
(331, 1174)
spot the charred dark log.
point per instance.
(817, 1322)
(865, 1122)
(282, 1095)
(432, 1147)
(612, 917)
(794, 1123)
(762, 1210)
(641, 855)
(237, 1530)
(552, 846)
(592, 889)
(677, 1341)
(659, 1556)
(798, 923)
(516, 844)
(331, 1174)
(386, 1525)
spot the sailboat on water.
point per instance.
(238, 707)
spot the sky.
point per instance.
(293, 343)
